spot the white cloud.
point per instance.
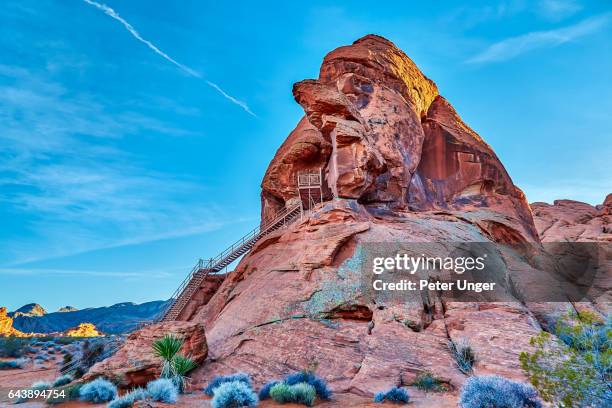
(558, 9)
(515, 46)
(113, 14)
(61, 170)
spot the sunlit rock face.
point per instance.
(83, 330)
(399, 166)
(385, 137)
(6, 325)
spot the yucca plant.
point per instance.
(166, 348)
(181, 366)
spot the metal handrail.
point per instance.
(210, 264)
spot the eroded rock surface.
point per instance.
(399, 165)
(568, 220)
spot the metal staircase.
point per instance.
(192, 282)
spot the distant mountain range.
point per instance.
(115, 319)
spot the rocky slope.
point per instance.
(568, 220)
(399, 166)
(116, 319)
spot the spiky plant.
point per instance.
(182, 365)
(166, 348)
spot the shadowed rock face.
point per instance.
(385, 137)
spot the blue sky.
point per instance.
(126, 155)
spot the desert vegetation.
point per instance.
(573, 366)
(464, 355)
(499, 392)
(395, 395)
(175, 366)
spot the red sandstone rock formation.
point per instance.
(384, 136)
(399, 166)
(568, 220)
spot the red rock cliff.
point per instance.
(384, 136)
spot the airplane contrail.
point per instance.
(113, 14)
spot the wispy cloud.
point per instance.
(515, 46)
(558, 9)
(64, 175)
(113, 14)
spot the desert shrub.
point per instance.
(12, 347)
(221, 379)
(309, 377)
(97, 391)
(395, 395)
(181, 366)
(121, 402)
(234, 394)
(463, 354)
(498, 392)
(427, 382)
(264, 393)
(67, 358)
(62, 380)
(162, 390)
(281, 393)
(128, 399)
(11, 364)
(304, 394)
(41, 385)
(300, 393)
(573, 368)
(167, 348)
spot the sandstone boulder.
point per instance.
(134, 364)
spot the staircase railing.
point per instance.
(231, 253)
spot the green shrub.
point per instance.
(167, 348)
(181, 366)
(311, 378)
(97, 391)
(282, 393)
(573, 368)
(464, 355)
(234, 394)
(300, 393)
(427, 382)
